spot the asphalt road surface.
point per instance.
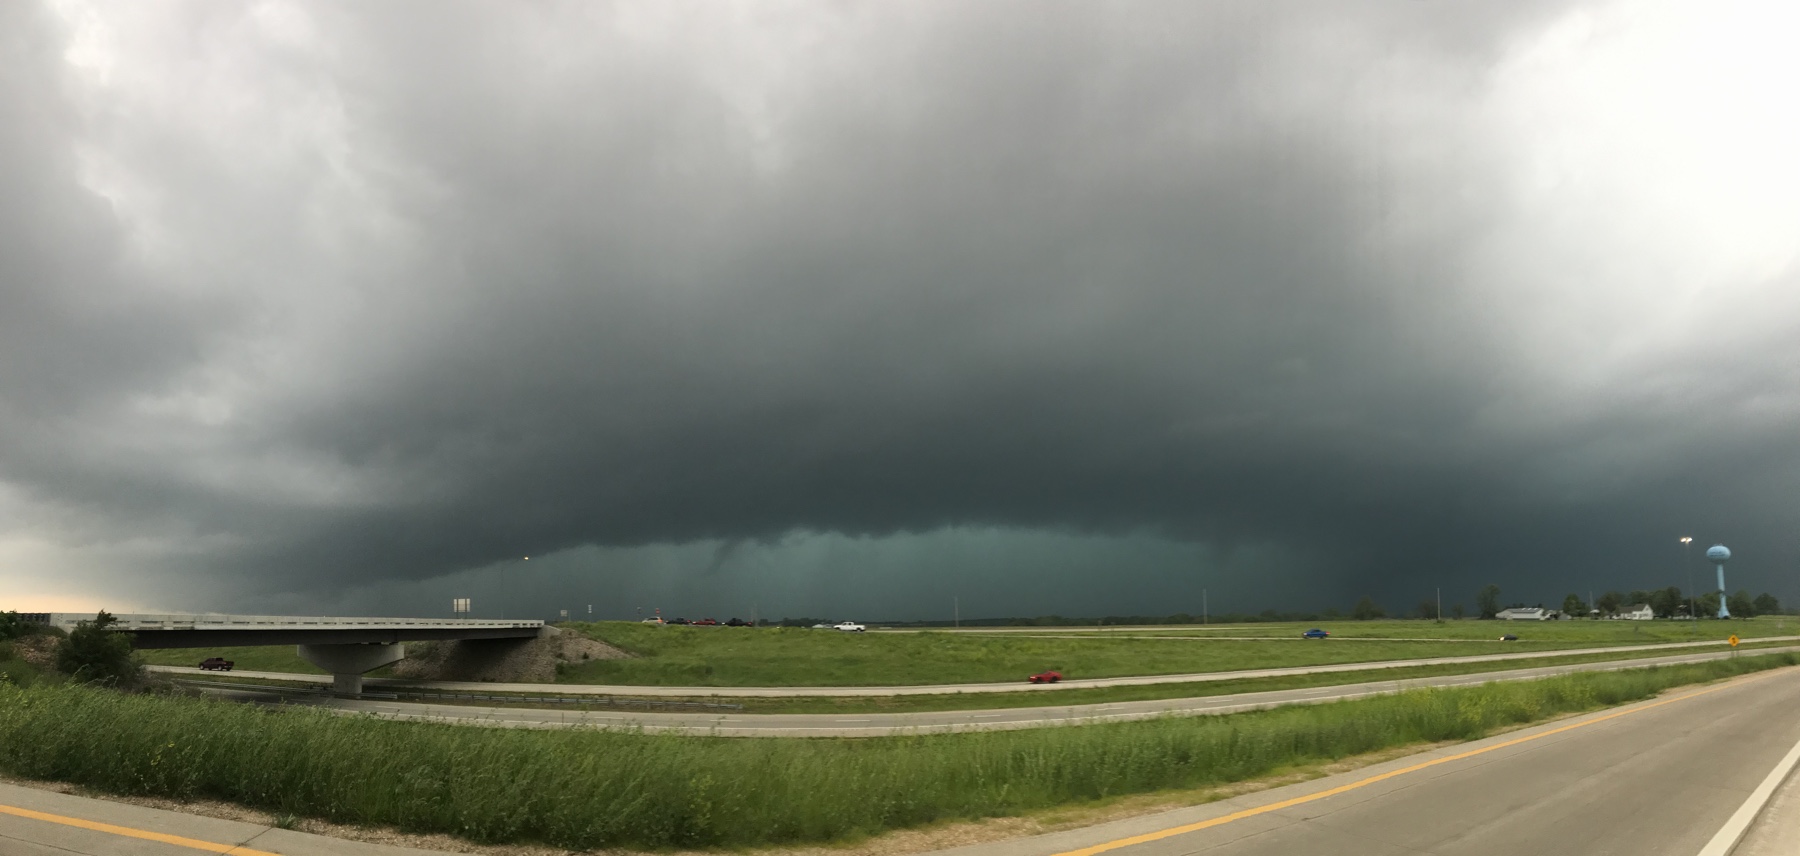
(943, 689)
(725, 724)
(1674, 776)
(1659, 778)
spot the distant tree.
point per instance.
(1488, 600)
(1664, 602)
(1456, 611)
(1573, 607)
(1709, 604)
(1609, 602)
(93, 653)
(1428, 608)
(1333, 612)
(1636, 597)
(12, 626)
(1741, 605)
(1766, 604)
(1366, 610)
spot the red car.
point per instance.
(1049, 677)
(706, 622)
(216, 664)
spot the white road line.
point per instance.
(1734, 829)
(855, 720)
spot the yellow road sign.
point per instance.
(1733, 640)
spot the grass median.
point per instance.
(590, 789)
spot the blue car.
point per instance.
(1314, 633)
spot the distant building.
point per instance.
(1523, 613)
(1635, 612)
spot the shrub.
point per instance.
(95, 654)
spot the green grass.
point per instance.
(1151, 692)
(1564, 633)
(592, 789)
(744, 657)
(1066, 697)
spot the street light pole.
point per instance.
(1687, 561)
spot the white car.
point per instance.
(849, 627)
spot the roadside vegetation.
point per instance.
(591, 789)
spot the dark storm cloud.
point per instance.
(583, 274)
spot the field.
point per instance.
(741, 657)
(593, 789)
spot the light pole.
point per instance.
(1687, 561)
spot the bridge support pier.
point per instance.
(347, 663)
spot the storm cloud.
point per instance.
(304, 302)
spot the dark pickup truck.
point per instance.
(216, 664)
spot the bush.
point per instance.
(12, 626)
(95, 654)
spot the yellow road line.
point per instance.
(1381, 777)
(178, 841)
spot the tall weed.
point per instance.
(590, 788)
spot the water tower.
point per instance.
(1718, 554)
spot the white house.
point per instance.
(1523, 613)
(1635, 612)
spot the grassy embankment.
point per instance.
(587, 789)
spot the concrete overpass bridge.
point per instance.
(345, 647)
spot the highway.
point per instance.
(730, 724)
(1658, 778)
(1682, 775)
(945, 689)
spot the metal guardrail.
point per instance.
(600, 701)
(605, 701)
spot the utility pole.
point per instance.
(1440, 604)
(1687, 561)
(956, 611)
(1204, 619)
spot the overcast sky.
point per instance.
(866, 309)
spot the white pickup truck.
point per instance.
(849, 627)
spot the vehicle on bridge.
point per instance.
(216, 664)
(706, 622)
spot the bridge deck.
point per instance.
(176, 630)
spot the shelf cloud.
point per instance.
(301, 300)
